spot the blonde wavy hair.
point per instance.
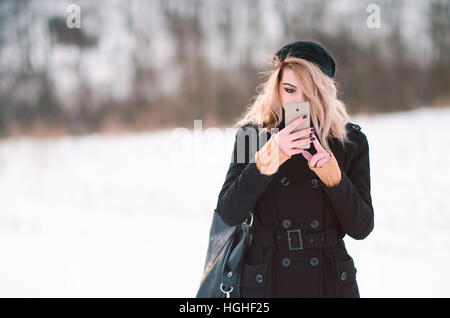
(328, 113)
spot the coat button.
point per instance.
(259, 278)
(314, 224)
(344, 275)
(286, 223)
(284, 181)
(286, 262)
(315, 183)
(314, 261)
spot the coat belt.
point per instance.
(270, 236)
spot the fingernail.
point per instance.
(313, 138)
(313, 129)
(304, 116)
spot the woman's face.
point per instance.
(290, 87)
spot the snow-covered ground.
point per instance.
(129, 216)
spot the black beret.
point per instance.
(310, 51)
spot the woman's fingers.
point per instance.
(317, 145)
(300, 142)
(322, 162)
(296, 151)
(290, 127)
(306, 154)
(300, 133)
(293, 151)
(317, 157)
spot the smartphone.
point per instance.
(293, 110)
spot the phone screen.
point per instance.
(293, 110)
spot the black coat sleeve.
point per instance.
(351, 198)
(243, 185)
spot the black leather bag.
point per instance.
(225, 258)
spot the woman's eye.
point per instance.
(289, 90)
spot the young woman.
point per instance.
(303, 201)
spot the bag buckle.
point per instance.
(299, 240)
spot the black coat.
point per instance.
(295, 198)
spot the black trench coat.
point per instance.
(293, 199)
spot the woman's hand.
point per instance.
(318, 160)
(287, 141)
(324, 164)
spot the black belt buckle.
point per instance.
(299, 239)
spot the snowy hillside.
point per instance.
(129, 216)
